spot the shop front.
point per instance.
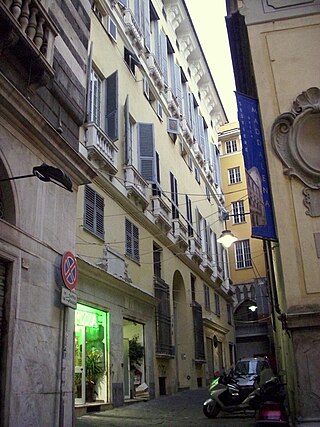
(91, 380)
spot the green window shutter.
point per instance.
(132, 240)
(89, 208)
(127, 137)
(147, 40)
(146, 151)
(99, 216)
(111, 125)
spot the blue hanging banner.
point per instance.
(261, 213)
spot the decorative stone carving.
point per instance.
(295, 137)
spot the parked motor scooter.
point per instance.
(227, 395)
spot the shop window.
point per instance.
(91, 354)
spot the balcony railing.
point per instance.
(207, 263)
(195, 249)
(133, 30)
(101, 149)
(155, 71)
(136, 186)
(161, 211)
(179, 230)
(26, 26)
(186, 131)
(172, 102)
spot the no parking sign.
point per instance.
(69, 270)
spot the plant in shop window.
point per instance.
(94, 372)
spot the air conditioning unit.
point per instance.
(112, 29)
(173, 125)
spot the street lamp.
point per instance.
(227, 238)
(47, 173)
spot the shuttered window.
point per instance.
(174, 196)
(132, 240)
(93, 212)
(189, 216)
(111, 123)
(146, 151)
(198, 331)
(163, 318)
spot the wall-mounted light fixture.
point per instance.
(47, 173)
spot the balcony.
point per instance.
(133, 30)
(195, 249)
(209, 172)
(198, 153)
(207, 264)
(172, 102)
(155, 71)
(186, 131)
(27, 30)
(179, 231)
(101, 150)
(136, 186)
(161, 211)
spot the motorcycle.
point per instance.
(228, 396)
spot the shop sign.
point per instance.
(68, 298)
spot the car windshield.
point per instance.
(249, 367)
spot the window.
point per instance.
(206, 291)
(234, 175)
(157, 255)
(197, 174)
(132, 241)
(243, 254)
(163, 318)
(217, 304)
(131, 60)
(111, 123)
(189, 216)
(231, 146)
(174, 196)
(95, 98)
(238, 212)
(229, 316)
(146, 151)
(193, 287)
(93, 212)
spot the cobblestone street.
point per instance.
(182, 409)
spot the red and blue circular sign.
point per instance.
(69, 270)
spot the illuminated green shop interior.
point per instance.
(91, 352)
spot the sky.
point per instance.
(208, 17)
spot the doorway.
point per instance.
(133, 357)
(91, 358)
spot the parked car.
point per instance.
(248, 369)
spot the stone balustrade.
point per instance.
(34, 24)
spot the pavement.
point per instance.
(183, 409)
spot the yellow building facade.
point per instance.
(152, 277)
(246, 255)
(280, 40)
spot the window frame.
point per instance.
(234, 175)
(238, 212)
(95, 202)
(132, 241)
(231, 146)
(242, 253)
(206, 297)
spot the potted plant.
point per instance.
(136, 352)
(94, 371)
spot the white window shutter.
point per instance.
(146, 151)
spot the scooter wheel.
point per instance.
(211, 409)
